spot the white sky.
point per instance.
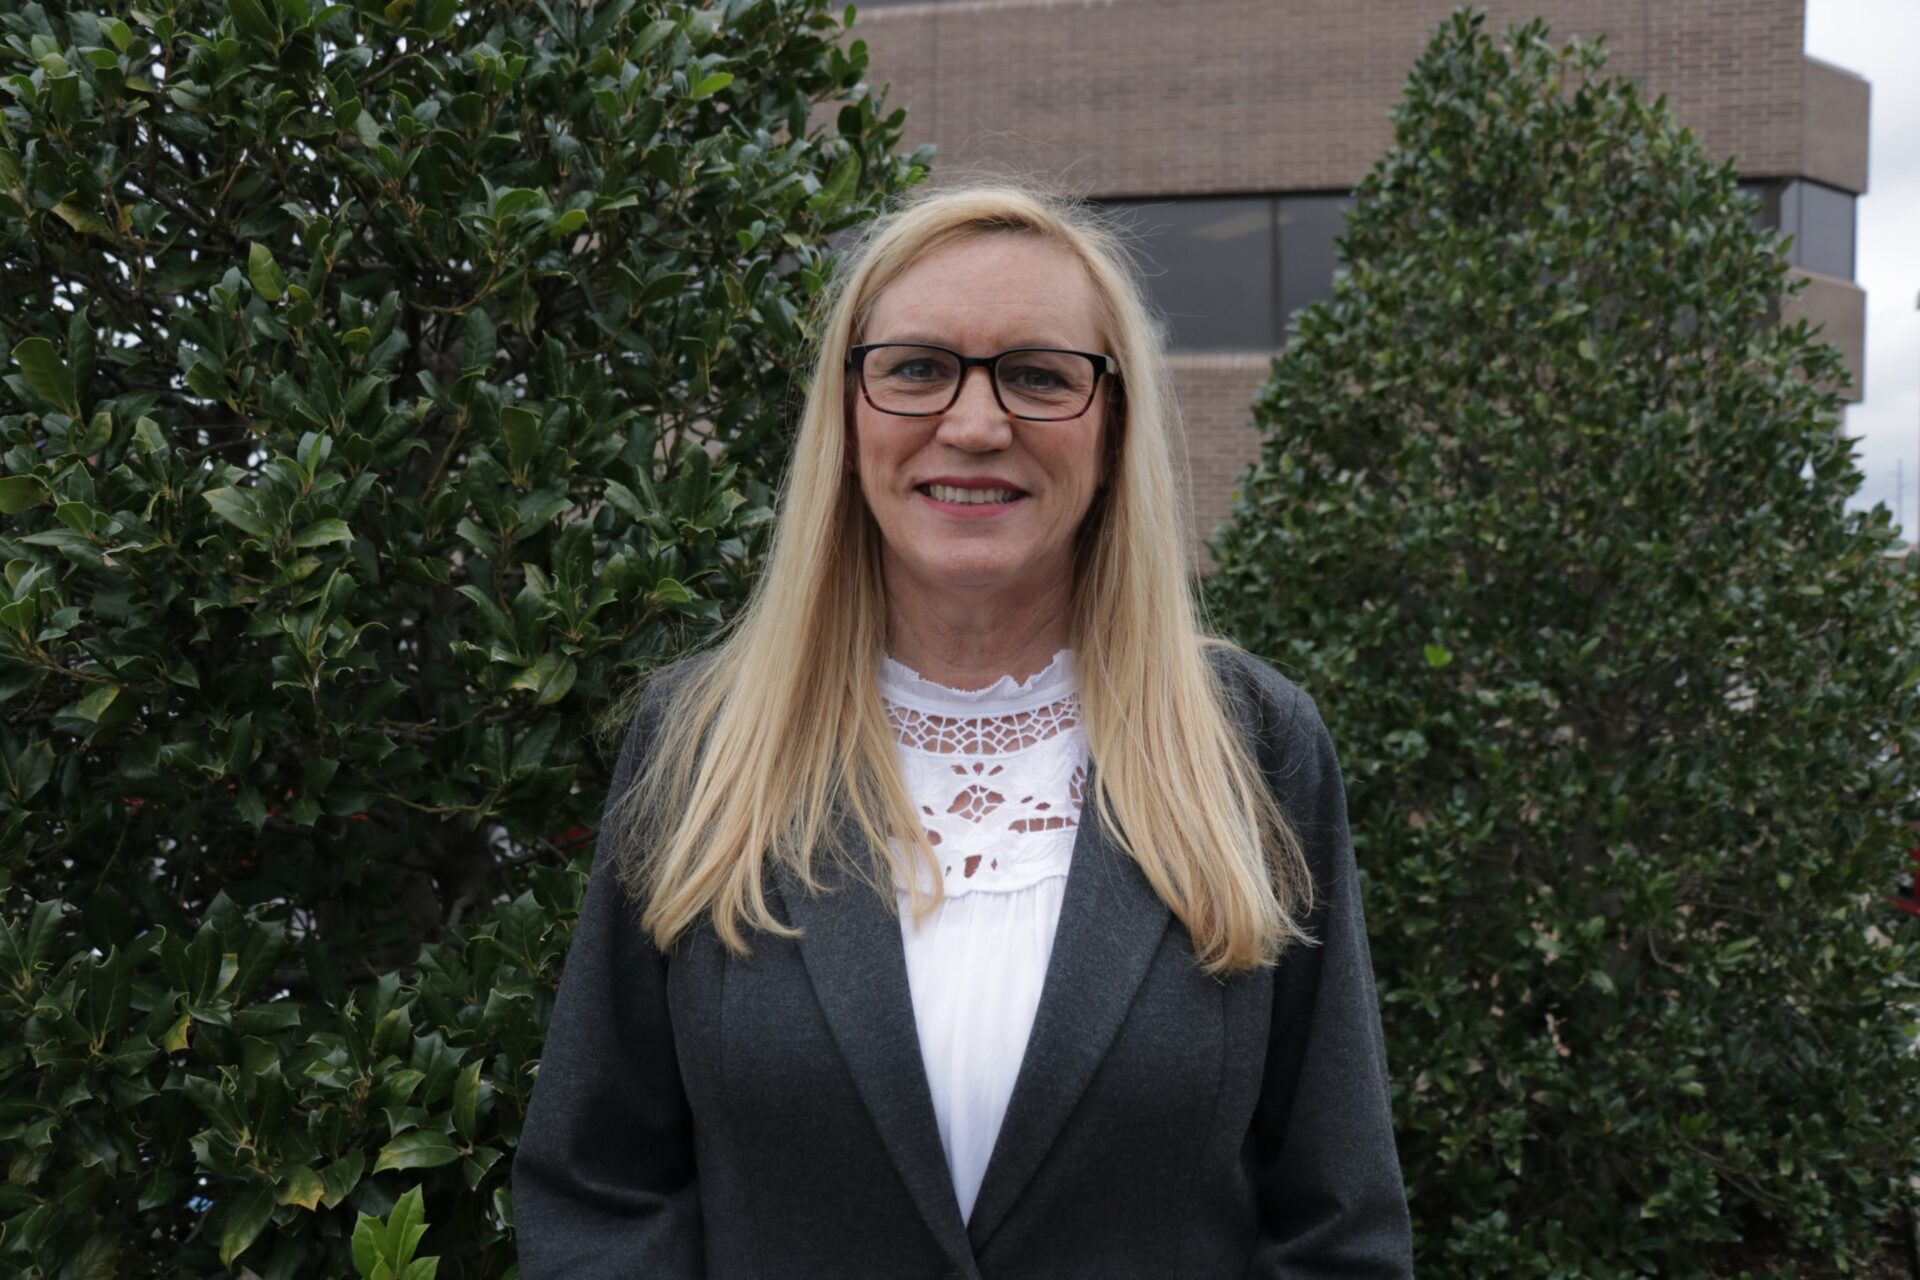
(1880, 39)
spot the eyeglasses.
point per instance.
(1036, 384)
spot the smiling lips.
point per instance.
(968, 497)
(969, 491)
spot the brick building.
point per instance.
(1229, 132)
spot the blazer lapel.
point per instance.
(1111, 923)
(856, 961)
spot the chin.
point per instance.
(962, 576)
(966, 572)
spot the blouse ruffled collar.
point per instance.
(903, 686)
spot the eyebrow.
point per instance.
(921, 337)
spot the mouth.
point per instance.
(981, 501)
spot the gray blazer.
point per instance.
(701, 1114)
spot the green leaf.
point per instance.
(268, 281)
(651, 38)
(466, 1097)
(496, 619)
(522, 431)
(367, 1238)
(148, 438)
(251, 807)
(44, 371)
(839, 186)
(239, 509)
(95, 703)
(417, 1149)
(24, 947)
(97, 1258)
(207, 381)
(628, 504)
(17, 493)
(323, 533)
(437, 15)
(341, 1177)
(83, 350)
(549, 678)
(78, 516)
(252, 20)
(246, 1216)
(1438, 656)
(99, 433)
(84, 221)
(710, 85)
(31, 770)
(405, 1225)
(300, 1185)
(511, 203)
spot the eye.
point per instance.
(912, 366)
(1033, 377)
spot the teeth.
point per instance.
(947, 493)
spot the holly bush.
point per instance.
(1549, 514)
(391, 383)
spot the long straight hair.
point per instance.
(779, 735)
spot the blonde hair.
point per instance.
(781, 729)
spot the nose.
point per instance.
(975, 421)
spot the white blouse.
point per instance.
(998, 774)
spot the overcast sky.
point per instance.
(1880, 39)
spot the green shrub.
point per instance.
(1549, 514)
(390, 384)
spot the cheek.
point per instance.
(875, 453)
(1085, 465)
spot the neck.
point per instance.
(968, 639)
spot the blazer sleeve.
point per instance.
(1332, 1202)
(603, 1177)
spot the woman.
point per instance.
(968, 912)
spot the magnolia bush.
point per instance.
(390, 384)
(1549, 514)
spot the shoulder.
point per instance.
(1282, 726)
(649, 706)
(1280, 710)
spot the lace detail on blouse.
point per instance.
(999, 774)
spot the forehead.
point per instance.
(988, 292)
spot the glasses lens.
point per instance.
(910, 379)
(1045, 384)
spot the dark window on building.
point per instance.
(1307, 227)
(1767, 215)
(1818, 217)
(1227, 271)
(1209, 268)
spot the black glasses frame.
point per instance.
(1102, 364)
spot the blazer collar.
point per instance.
(1111, 923)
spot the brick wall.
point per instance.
(1835, 126)
(1841, 307)
(1219, 444)
(1144, 97)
